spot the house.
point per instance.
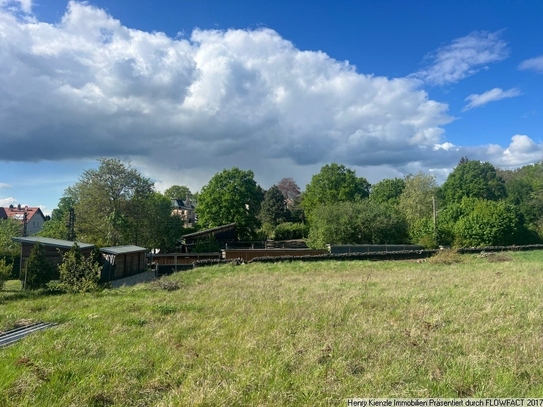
(54, 248)
(123, 261)
(31, 217)
(185, 210)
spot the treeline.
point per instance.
(478, 205)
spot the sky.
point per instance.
(182, 89)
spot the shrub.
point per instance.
(290, 231)
(446, 257)
(78, 273)
(38, 271)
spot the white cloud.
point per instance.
(464, 57)
(89, 87)
(490, 96)
(4, 185)
(5, 202)
(535, 64)
(182, 109)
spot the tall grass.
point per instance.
(285, 334)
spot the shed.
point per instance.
(223, 235)
(54, 248)
(123, 261)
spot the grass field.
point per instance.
(285, 334)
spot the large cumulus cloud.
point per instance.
(88, 86)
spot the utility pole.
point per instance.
(71, 225)
(25, 219)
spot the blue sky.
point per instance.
(184, 89)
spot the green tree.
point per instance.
(273, 209)
(231, 196)
(473, 179)
(110, 204)
(334, 183)
(178, 192)
(57, 226)
(361, 222)
(161, 229)
(9, 228)
(388, 191)
(38, 270)
(78, 273)
(416, 203)
(486, 223)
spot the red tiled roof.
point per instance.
(18, 214)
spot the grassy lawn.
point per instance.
(285, 334)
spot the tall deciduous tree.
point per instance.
(178, 192)
(473, 179)
(416, 203)
(334, 183)
(387, 191)
(231, 196)
(110, 204)
(273, 208)
(290, 190)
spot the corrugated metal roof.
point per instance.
(123, 249)
(47, 241)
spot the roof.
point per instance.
(123, 249)
(17, 212)
(180, 204)
(47, 241)
(3, 214)
(209, 231)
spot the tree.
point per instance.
(416, 203)
(178, 192)
(161, 229)
(334, 183)
(361, 222)
(78, 273)
(9, 228)
(58, 227)
(38, 271)
(231, 196)
(290, 190)
(110, 204)
(486, 223)
(273, 208)
(388, 191)
(473, 179)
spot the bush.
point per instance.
(290, 231)
(78, 273)
(5, 272)
(38, 271)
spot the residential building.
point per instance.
(31, 216)
(185, 210)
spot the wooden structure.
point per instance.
(223, 235)
(168, 263)
(54, 249)
(372, 248)
(182, 258)
(123, 261)
(248, 254)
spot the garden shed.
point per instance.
(54, 248)
(123, 261)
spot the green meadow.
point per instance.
(285, 334)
